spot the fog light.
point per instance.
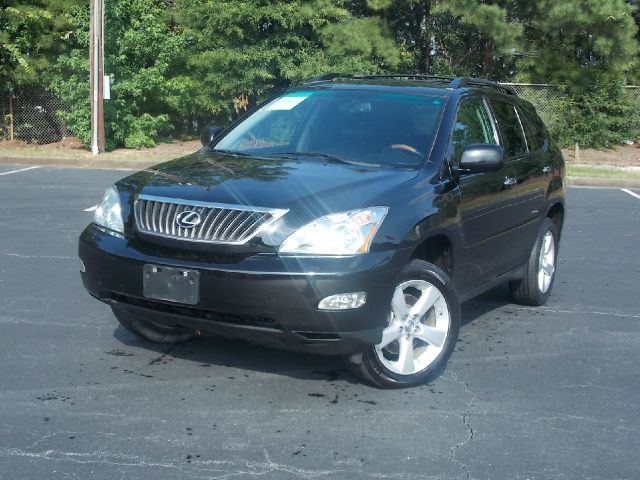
(82, 268)
(343, 301)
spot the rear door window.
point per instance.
(513, 139)
(536, 133)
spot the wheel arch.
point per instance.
(436, 249)
(556, 213)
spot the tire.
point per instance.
(152, 331)
(534, 289)
(405, 357)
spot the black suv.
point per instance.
(350, 215)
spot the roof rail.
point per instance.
(328, 76)
(332, 76)
(452, 82)
(460, 82)
(417, 76)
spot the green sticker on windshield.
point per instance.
(288, 101)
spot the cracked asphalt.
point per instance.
(530, 393)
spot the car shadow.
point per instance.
(485, 303)
(210, 351)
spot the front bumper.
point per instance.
(263, 298)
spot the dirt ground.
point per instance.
(70, 147)
(622, 156)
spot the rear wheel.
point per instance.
(534, 289)
(153, 332)
(421, 331)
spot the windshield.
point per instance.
(362, 127)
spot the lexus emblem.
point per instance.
(188, 219)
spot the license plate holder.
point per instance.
(179, 285)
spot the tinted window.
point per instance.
(368, 127)
(473, 125)
(513, 138)
(535, 131)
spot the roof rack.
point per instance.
(460, 82)
(333, 76)
(452, 82)
(328, 76)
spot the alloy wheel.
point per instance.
(418, 327)
(546, 262)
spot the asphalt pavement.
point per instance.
(530, 393)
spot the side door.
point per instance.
(525, 158)
(484, 199)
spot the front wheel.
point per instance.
(421, 331)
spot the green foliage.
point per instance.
(240, 52)
(179, 64)
(488, 31)
(600, 118)
(588, 48)
(143, 48)
(579, 43)
(32, 33)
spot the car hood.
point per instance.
(312, 185)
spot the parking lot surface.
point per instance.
(530, 393)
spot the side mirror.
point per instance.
(478, 158)
(209, 133)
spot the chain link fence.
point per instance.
(546, 98)
(550, 101)
(30, 114)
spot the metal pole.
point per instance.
(101, 77)
(10, 115)
(97, 127)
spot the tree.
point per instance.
(32, 34)
(144, 48)
(579, 43)
(179, 65)
(589, 49)
(241, 51)
(489, 32)
(460, 37)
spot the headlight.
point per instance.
(345, 233)
(109, 214)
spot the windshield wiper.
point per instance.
(325, 156)
(233, 153)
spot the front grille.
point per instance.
(218, 223)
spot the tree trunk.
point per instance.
(423, 36)
(487, 58)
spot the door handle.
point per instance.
(546, 170)
(509, 182)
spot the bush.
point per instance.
(600, 118)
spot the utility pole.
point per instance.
(96, 76)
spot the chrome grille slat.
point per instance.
(220, 223)
(234, 218)
(168, 219)
(161, 217)
(205, 222)
(232, 235)
(154, 215)
(224, 219)
(214, 223)
(256, 225)
(147, 208)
